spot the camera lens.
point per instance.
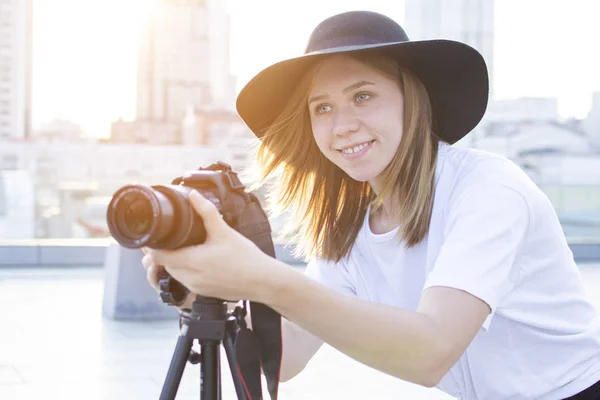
(158, 216)
(140, 216)
(137, 211)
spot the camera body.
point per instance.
(161, 216)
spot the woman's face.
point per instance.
(357, 116)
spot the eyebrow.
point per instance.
(349, 88)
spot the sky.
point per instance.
(84, 61)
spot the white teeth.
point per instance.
(355, 149)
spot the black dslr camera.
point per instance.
(161, 217)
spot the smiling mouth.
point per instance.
(355, 149)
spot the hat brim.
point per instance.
(454, 74)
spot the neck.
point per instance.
(381, 221)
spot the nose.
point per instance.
(345, 121)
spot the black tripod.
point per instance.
(210, 324)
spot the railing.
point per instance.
(91, 252)
(75, 252)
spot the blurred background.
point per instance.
(98, 94)
(94, 95)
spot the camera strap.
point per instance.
(259, 348)
(265, 335)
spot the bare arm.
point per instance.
(419, 347)
(299, 346)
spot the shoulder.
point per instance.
(473, 170)
(484, 187)
(476, 164)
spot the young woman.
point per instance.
(438, 265)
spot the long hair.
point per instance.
(326, 206)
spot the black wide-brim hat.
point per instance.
(454, 74)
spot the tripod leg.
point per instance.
(209, 370)
(230, 351)
(180, 357)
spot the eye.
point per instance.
(322, 108)
(362, 97)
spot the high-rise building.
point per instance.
(467, 21)
(184, 61)
(15, 68)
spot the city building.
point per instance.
(560, 160)
(223, 130)
(15, 68)
(505, 116)
(59, 130)
(524, 109)
(183, 61)
(526, 138)
(64, 175)
(145, 131)
(467, 21)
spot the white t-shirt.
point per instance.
(494, 234)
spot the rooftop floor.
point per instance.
(55, 344)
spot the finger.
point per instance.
(146, 262)
(163, 257)
(152, 274)
(212, 218)
(184, 276)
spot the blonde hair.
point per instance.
(328, 207)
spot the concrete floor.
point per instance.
(55, 344)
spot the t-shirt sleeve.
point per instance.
(332, 275)
(483, 233)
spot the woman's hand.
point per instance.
(227, 265)
(152, 275)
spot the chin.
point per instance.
(360, 177)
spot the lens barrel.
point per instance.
(154, 216)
